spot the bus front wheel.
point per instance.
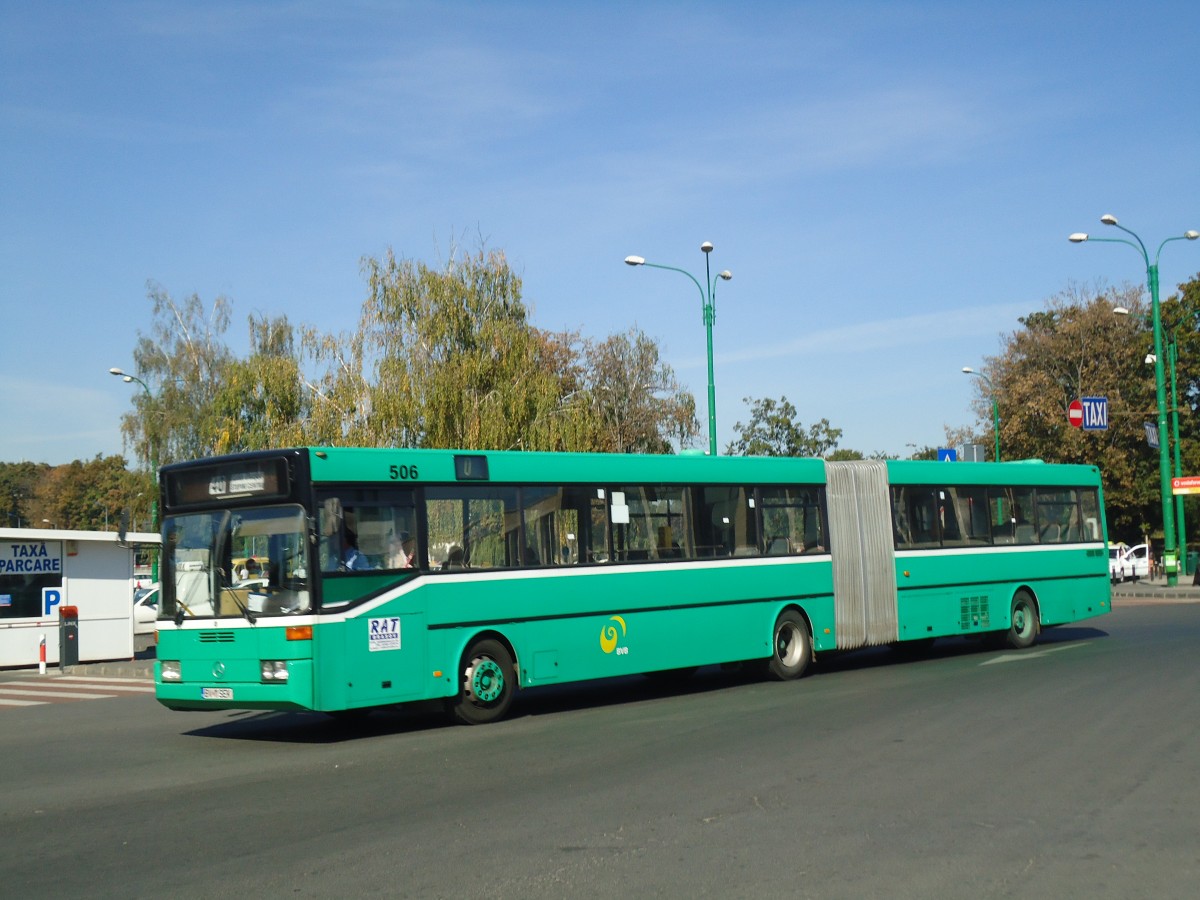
(488, 682)
(791, 647)
(1024, 622)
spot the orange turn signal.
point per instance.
(299, 633)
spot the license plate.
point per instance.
(216, 693)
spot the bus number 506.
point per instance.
(402, 473)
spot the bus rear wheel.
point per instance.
(791, 647)
(1025, 624)
(488, 683)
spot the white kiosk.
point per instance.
(43, 570)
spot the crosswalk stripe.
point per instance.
(135, 688)
(4, 702)
(99, 679)
(50, 692)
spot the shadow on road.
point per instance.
(320, 728)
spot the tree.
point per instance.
(261, 402)
(456, 363)
(1077, 347)
(441, 357)
(774, 430)
(183, 362)
(18, 483)
(641, 406)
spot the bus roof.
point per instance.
(400, 466)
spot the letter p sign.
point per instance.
(51, 597)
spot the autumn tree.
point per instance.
(641, 406)
(1076, 347)
(18, 483)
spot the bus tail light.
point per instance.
(299, 633)
(274, 670)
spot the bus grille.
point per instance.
(973, 614)
(217, 637)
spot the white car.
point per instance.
(1137, 561)
(1118, 568)
(145, 609)
(1128, 563)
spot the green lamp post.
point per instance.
(708, 304)
(1170, 544)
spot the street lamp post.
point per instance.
(1172, 365)
(1170, 545)
(133, 379)
(1180, 528)
(967, 370)
(708, 304)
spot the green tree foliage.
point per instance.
(440, 357)
(184, 362)
(262, 401)
(1077, 347)
(456, 362)
(774, 430)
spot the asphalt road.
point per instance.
(1069, 770)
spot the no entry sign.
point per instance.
(1089, 413)
(1075, 413)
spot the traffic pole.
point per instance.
(42, 656)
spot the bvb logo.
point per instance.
(609, 635)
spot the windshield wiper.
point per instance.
(246, 611)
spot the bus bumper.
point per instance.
(188, 694)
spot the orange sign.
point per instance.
(1189, 484)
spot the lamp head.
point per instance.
(115, 371)
(1191, 235)
(128, 379)
(967, 370)
(1120, 311)
(1078, 237)
(635, 261)
(707, 247)
(1108, 219)
(725, 276)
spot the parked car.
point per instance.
(1137, 559)
(1118, 568)
(145, 609)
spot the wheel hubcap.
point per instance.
(788, 645)
(1022, 620)
(485, 680)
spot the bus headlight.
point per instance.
(170, 670)
(274, 670)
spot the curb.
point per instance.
(114, 669)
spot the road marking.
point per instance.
(111, 684)
(1022, 655)
(68, 689)
(50, 691)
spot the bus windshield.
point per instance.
(235, 562)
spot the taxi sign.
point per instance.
(1095, 413)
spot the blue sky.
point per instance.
(891, 184)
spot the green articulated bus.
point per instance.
(341, 580)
